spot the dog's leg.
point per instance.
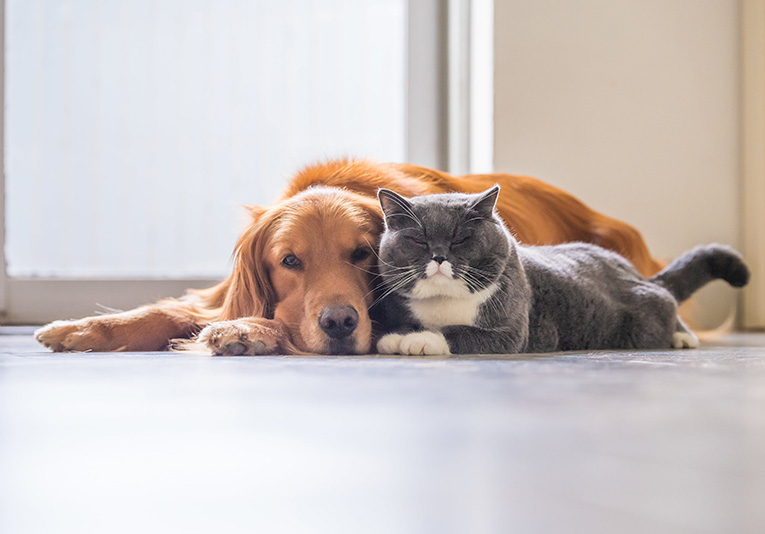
(248, 336)
(148, 328)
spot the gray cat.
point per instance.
(456, 281)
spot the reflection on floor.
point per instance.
(656, 441)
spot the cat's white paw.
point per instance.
(684, 340)
(424, 343)
(417, 343)
(389, 343)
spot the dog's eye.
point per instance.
(291, 261)
(359, 254)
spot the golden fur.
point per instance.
(263, 307)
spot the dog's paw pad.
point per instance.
(237, 338)
(684, 340)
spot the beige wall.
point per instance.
(632, 105)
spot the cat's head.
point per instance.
(451, 244)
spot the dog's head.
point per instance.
(310, 263)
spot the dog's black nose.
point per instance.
(338, 321)
(439, 259)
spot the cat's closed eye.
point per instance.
(419, 240)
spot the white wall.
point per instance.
(632, 105)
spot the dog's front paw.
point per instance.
(89, 334)
(54, 335)
(240, 337)
(417, 343)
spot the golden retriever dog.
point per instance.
(304, 272)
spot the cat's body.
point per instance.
(458, 282)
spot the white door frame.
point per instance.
(3, 265)
(752, 29)
(470, 86)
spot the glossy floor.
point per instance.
(659, 441)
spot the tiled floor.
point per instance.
(604, 442)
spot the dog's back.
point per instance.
(536, 212)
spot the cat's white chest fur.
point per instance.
(438, 301)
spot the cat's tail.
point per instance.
(701, 265)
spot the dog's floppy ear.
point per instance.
(251, 293)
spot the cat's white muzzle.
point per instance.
(439, 281)
(439, 270)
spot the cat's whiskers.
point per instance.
(397, 277)
(478, 273)
(394, 279)
(386, 294)
(376, 274)
(396, 286)
(385, 262)
(394, 268)
(493, 303)
(473, 282)
(475, 273)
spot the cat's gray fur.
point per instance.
(545, 298)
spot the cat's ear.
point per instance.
(486, 202)
(396, 208)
